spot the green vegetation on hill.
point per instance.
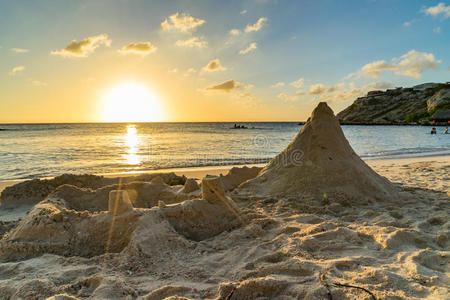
(425, 115)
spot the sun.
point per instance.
(131, 102)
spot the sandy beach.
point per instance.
(316, 222)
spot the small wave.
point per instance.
(409, 152)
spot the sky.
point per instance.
(183, 61)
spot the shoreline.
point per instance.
(200, 172)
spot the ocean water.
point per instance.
(44, 150)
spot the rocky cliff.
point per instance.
(418, 104)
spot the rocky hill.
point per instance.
(418, 104)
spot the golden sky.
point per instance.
(253, 60)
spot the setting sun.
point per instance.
(131, 102)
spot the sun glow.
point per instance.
(131, 102)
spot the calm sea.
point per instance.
(44, 150)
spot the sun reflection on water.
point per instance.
(131, 141)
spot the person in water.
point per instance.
(433, 130)
(446, 130)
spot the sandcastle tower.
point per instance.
(320, 162)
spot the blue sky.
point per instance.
(325, 43)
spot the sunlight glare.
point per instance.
(131, 140)
(131, 102)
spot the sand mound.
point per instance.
(237, 175)
(321, 162)
(50, 227)
(190, 186)
(34, 191)
(142, 195)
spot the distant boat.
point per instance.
(239, 127)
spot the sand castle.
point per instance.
(85, 222)
(321, 162)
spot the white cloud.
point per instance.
(235, 32)
(440, 9)
(83, 47)
(375, 69)
(298, 83)
(407, 23)
(250, 48)
(243, 12)
(411, 64)
(286, 98)
(38, 83)
(257, 26)
(193, 42)
(414, 63)
(214, 65)
(181, 22)
(141, 48)
(19, 50)
(277, 85)
(16, 70)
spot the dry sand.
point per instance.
(224, 243)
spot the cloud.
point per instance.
(235, 32)
(351, 93)
(375, 69)
(317, 89)
(181, 22)
(38, 83)
(225, 87)
(411, 64)
(142, 48)
(277, 85)
(437, 30)
(193, 42)
(257, 26)
(440, 9)
(214, 65)
(250, 48)
(298, 83)
(17, 70)
(286, 98)
(414, 63)
(19, 50)
(189, 72)
(407, 23)
(243, 12)
(228, 86)
(83, 47)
